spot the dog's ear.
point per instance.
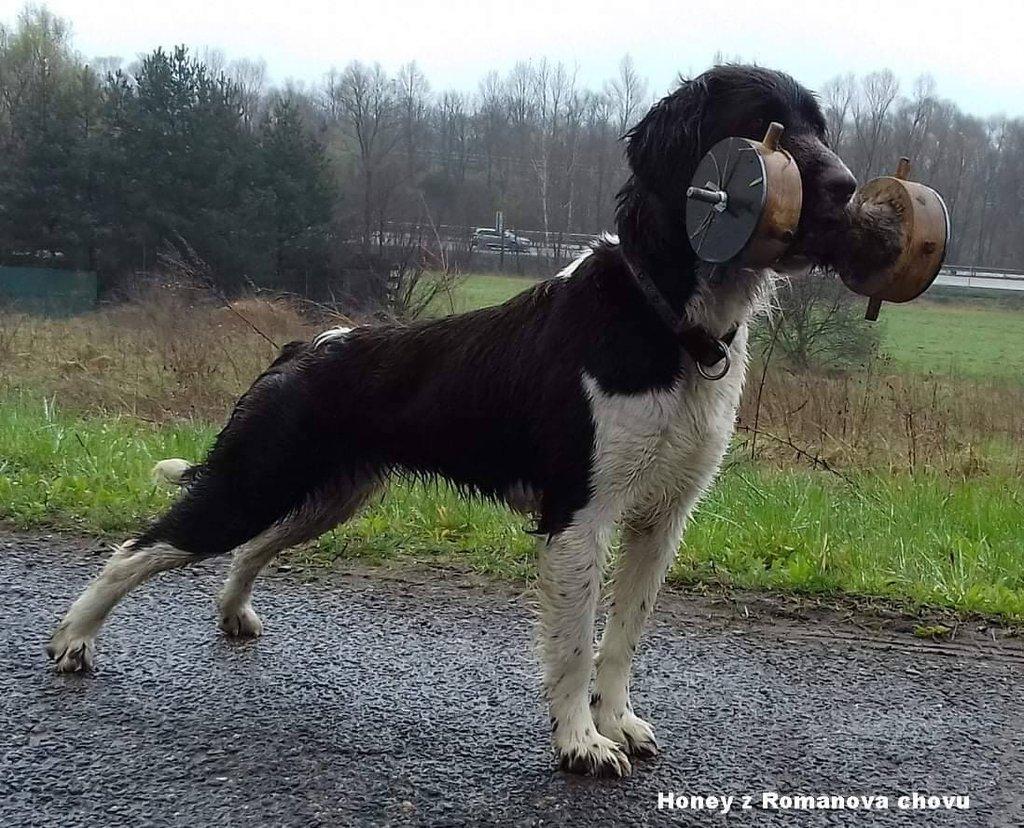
(668, 141)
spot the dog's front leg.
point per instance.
(570, 581)
(649, 544)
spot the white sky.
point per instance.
(973, 48)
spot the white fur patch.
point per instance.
(651, 447)
(570, 268)
(653, 451)
(330, 335)
(728, 296)
(171, 471)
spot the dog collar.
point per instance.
(710, 354)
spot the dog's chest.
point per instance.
(662, 441)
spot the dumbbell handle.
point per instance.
(716, 197)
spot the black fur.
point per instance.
(493, 399)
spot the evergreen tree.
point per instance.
(298, 191)
(49, 119)
(188, 162)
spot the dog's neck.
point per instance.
(652, 237)
(654, 246)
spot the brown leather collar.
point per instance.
(710, 354)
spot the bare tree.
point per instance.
(838, 96)
(878, 92)
(602, 152)
(413, 92)
(820, 323)
(551, 87)
(454, 136)
(106, 64)
(493, 117)
(367, 100)
(575, 105)
(214, 60)
(628, 93)
(251, 79)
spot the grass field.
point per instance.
(481, 290)
(920, 540)
(962, 339)
(927, 510)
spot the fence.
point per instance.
(47, 291)
(980, 278)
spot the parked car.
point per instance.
(487, 238)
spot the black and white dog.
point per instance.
(573, 401)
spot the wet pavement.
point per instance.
(415, 700)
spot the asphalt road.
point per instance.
(414, 700)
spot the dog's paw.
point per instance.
(241, 623)
(631, 732)
(593, 756)
(73, 653)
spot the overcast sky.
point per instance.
(975, 50)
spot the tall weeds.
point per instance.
(876, 419)
(157, 357)
(166, 356)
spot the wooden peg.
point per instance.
(772, 136)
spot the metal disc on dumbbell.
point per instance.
(744, 200)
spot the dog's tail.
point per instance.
(173, 472)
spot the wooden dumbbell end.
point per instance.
(874, 306)
(763, 180)
(772, 136)
(902, 169)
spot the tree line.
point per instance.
(104, 163)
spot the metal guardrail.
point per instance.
(980, 278)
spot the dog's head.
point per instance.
(664, 148)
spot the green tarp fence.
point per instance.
(46, 291)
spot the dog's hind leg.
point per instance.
(133, 563)
(236, 617)
(320, 513)
(649, 544)
(571, 565)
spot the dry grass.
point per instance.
(879, 420)
(169, 356)
(157, 359)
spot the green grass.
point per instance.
(481, 290)
(920, 539)
(974, 339)
(84, 474)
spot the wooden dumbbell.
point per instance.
(924, 235)
(743, 203)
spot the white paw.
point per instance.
(73, 653)
(241, 623)
(592, 754)
(631, 732)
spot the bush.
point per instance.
(819, 324)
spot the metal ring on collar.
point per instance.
(705, 371)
